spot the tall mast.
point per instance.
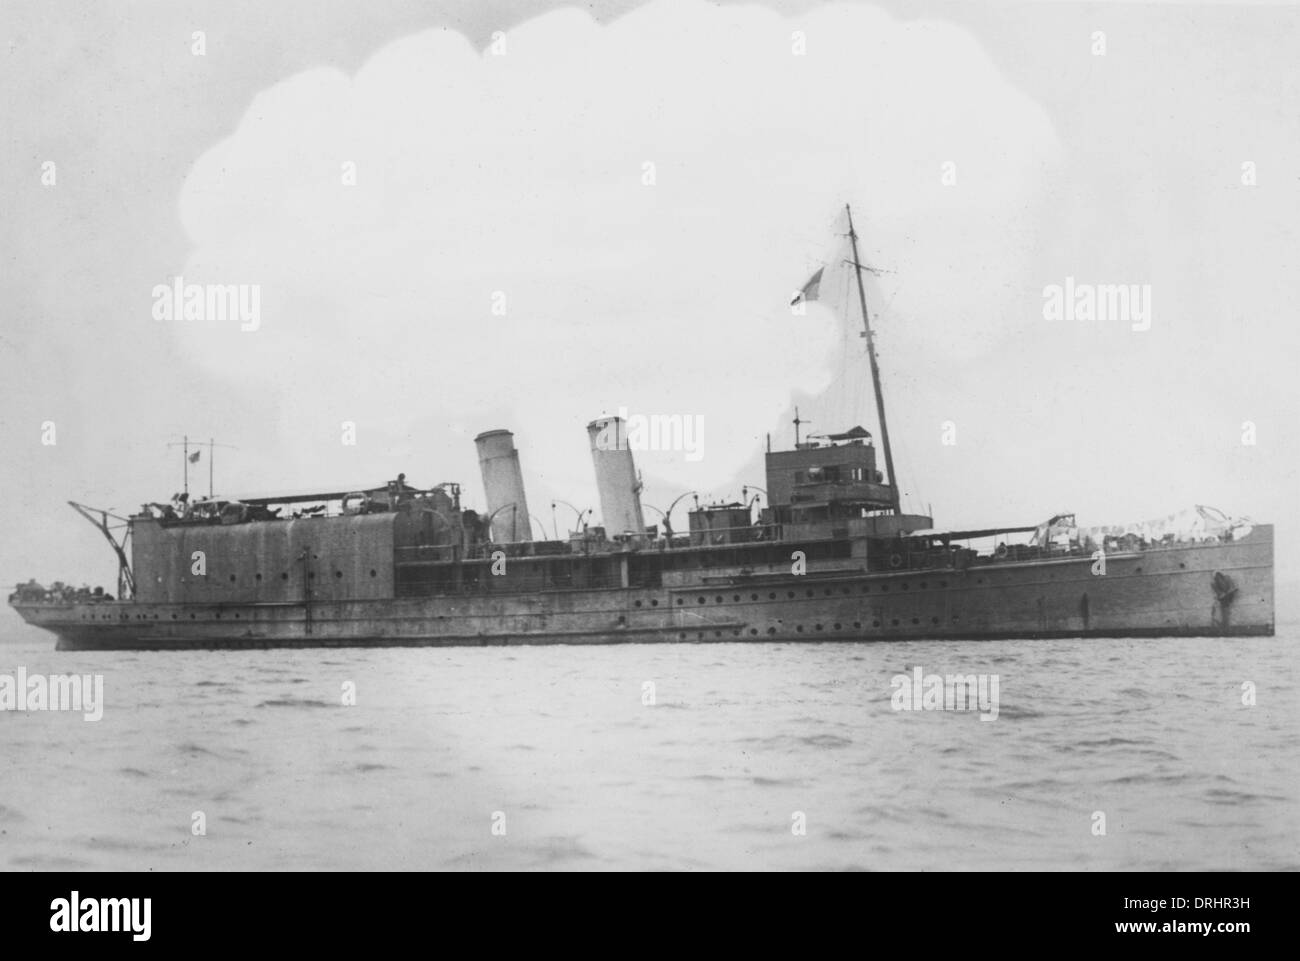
(875, 368)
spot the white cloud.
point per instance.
(523, 173)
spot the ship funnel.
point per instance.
(620, 492)
(503, 485)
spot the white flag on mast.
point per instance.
(830, 283)
(810, 290)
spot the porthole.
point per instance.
(257, 577)
(810, 593)
(654, 603)
(884, 588)
(905, 586)
(680, 602)
(338, 575)
(735, 597)
(718, 599)
(818, 627)
(875, 623)
(232, 578)
(753, 630)
(700, 600)
(916, 620)
(638, 603)
(753, 597)
(895, 622)
(839, 627)
(799, 628)
(772, 596)
(857, 624)
(372, 574)
(284, 577)
(789, 593)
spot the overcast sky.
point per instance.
(518, 167)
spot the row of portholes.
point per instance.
(827, 592)
(799, 628)
(311, 575)
(790, 595)
(148, 617)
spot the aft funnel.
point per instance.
(620, 491)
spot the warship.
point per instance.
(830, 557)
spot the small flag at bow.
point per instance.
(194, 458)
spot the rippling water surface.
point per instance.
(556, 745)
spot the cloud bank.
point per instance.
(641, 199)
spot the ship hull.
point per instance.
(1155, 593)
